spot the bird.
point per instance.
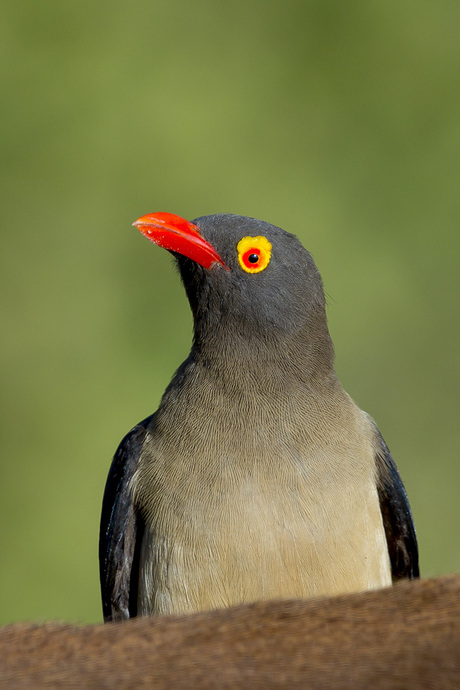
(258, 477)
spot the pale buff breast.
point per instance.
(296, 526)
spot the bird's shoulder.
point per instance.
(121, 529)
(396, 512)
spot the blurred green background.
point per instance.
(339, 121)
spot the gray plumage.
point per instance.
(258, 477)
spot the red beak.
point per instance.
(178, 235)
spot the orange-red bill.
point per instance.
(178, 235)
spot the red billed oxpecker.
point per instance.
(258, 477)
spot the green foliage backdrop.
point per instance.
(339, 121)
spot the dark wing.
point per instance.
(397, 516)
(121, 531)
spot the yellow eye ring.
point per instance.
(254, 253)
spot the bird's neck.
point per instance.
(264, 356)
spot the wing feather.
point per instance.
(397, 516)
(121, 531)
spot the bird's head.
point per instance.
(244, 276)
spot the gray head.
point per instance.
(247, 282)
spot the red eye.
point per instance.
(251, 257)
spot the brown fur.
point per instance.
(406, 637)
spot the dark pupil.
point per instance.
(253, 258)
